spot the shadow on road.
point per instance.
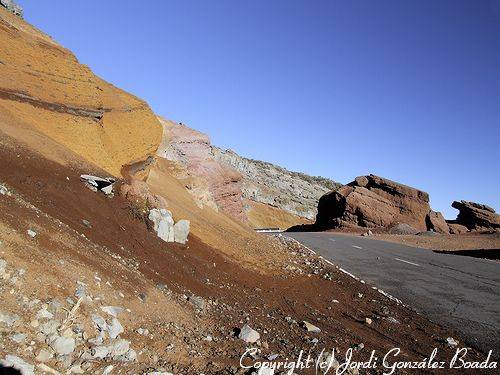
(479, 253)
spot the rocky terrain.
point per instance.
(385, 206)
(95, 278)
(254, 192)
(270, 184)
(11, 6)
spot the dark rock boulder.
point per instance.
(476, 216)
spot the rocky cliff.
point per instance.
(211, 183)
(270, 184)
(258, 193)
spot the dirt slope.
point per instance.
(45, 88)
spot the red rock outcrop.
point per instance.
(211, 183)
(375, 202)
(476, 216)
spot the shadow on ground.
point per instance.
(479, 253)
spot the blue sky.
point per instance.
(409, 90)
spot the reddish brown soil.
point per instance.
(265, 298)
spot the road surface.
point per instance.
(455, 291)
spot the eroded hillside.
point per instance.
(86, 284)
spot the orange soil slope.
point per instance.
(45, 90)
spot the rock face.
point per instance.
(211, 183)
(263, 182)
(476, 216)
(225, 181)
(373, 202)
(12, 7)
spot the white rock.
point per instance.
(19, 364)
(99, 322)
(181, 231)
(63, 345)
(452, 342)
(112, 310)
(119, 348)
(115, 328)
(163, 224)
(310, 327)
(31, 233)
(248, 334)
(100, 352)
(368, 321)
(76, 369)
(8, 320)
(18, 338)
(50, 327)
(44, 314)
(107, 370)
(44, 355)
(3, 265)
(3, 190)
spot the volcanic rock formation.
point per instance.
(211, 183)
(259, 193)
(376, 202)
(263, 182)
(476, 216)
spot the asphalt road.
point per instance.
(455, 291)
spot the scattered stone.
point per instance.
(112, 310)
(393, 320)
(310, 327)
(18, 338)
(96, 184)
(248, 334)
(50, 327)
(119, 348)
(108, 370)
(99, 322)
(4, 190)
(44, 355)
(63, 345)
(100, 352)
(197, 301)
(81, 290)
(31, 233)
(76, 369)
(19, 364)
(86, 223)
(13, 8)
(114, 329)
(8, 320)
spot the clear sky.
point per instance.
(409, 90)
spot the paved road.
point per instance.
(455, 291)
